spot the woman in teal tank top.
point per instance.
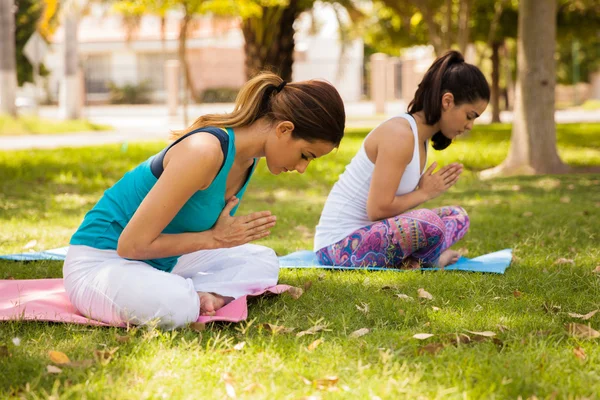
(163, 244)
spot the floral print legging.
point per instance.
(421, 234)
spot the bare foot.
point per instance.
(448, 257)
(210, 303)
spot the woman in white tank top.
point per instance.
(370, 217)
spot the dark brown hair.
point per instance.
(448, 74)
(314, 107)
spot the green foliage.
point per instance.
(44, 195)
(130, 93)
(30, 125)
(26, 19)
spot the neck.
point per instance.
(250, 141)
(426, 131)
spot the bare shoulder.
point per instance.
(394, 135)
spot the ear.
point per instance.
(447, 101)
(284, 128)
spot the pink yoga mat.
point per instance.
(46, 300)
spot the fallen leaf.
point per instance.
(579, 353)
(58, 357)
(326, 383)
(278, 328)
(52, 369)
(16, 341)
(364, 308)
(230, 390)
(315, 344)
(516, 293)
(597, 269)
(239, 346)
(565, 199)
(198, 326)
(551, 308)
(422, 336)
(295, 292)
(484, 333)
(502, 328)
(401, 312)
(105, 356)
(124, 338)
(584, 317)
(527, 214)
(434, 308)
(360, 332)
(404, 297)
(313, 330)
(582, 331)
(562, 260)
(423, 294)
(30, 244)
(321, 276)
(307, 285)
(430, 348)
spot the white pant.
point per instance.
(106, 287)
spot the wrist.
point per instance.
(209, 239)
(425, 196)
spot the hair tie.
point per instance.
(281, 86)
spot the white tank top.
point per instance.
(346, 206)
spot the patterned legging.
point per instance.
(421, 234)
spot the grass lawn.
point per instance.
(551, 222)
(31, 125)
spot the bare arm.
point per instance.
(192, 166)
(393, 144)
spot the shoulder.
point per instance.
(394, 135)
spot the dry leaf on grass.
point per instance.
(422, 336)
(360, 332)
(321, 276)
(423, 294)
(307, 285)
(30, 244)
(579, 353)
(58, 357)
(52, 369)
(404, 297)
(16, 341)
(565, 199)
(584, 317)
(528, 214)
(517, 293)
(326, 383)
(278, 328)
(363, 307)
(431, 348)
(582, 331)
(239, 346)
(315, 344)
(198, 326)
(105, 356)
(313, 330)
(434, 308)
(563, 260)
(596, 270)
(484, 333)
(295, 292)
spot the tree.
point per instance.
(27, 17)
(8, 72)
(533, 145)
(70, 90)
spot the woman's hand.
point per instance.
(235, 231)
(436, 184)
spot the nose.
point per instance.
(469, 126)
(301, 167)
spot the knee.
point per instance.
(461, 214)
(267, 258)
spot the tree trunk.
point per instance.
(496, 81)
(464, 30)
(533, 145)
(183, 27)
(70, 90)
(8, 70)
(269, 41)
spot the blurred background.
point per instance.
(147, 66)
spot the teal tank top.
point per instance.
(103, 224)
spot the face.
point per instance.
(455, 119)
(284, 153)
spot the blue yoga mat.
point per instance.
(496, 262)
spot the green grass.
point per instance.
(31, 125)
(44, 195)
